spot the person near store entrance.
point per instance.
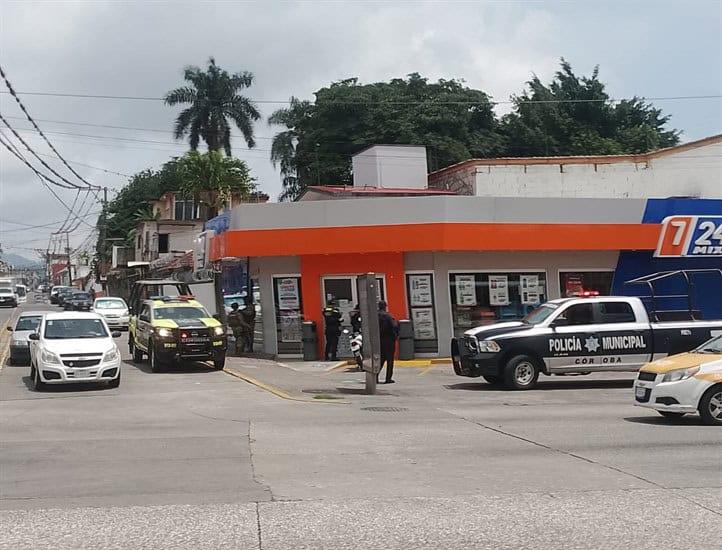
(235, 322)
(248, 327)
(332, 324)
(355, 319)
(389, 333)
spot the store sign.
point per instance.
(288, 296)
(422, 320)
(498, 290)
(690, 236)
(420, 290)
(465, 290)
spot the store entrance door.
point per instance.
(343, 289)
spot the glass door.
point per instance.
(341, 291)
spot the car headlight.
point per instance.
(488, 346)
(49, 358)
(219, 331)
(164, 332)
(680, 374)
(111, 356)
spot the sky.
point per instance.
(655, 49)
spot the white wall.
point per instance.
(695, 172)
(390, 166)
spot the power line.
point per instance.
(30, 227)
(421, 102)
(90, 166)
(12, 92)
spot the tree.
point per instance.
(453, 121)
(214, 174)
(575, 116)
(214, 100)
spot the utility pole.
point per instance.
(68, 264)
(102, 247)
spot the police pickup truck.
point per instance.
(574, 335)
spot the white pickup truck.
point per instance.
(574, 335)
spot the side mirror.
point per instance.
(115, 334)
(9, 329)
(217, 316)
(34, 336)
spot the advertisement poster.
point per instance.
(420, 290)
(288, 297)
(422, 320)
(529, 289)
(465, 290)
(290, 326)
(498, 290)
(573, 285)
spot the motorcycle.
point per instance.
(356, 342)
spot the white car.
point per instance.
(26, 324)
(22, 293)
(73, 347)
(113, 310)
(685, 383)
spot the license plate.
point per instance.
(196, 340)
(81, 373)
(640, 391)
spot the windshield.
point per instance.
(81, 296)
(711, 346)
(110, 304)
(180, 312)
(6, 291)
(540, 314)
(63, 329)
(28, 323)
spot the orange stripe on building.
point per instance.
(449, 237)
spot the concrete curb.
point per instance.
(279, 392)
(408, 362)
(5, 342)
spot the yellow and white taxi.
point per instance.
(686, 383)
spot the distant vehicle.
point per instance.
(114, 311)
(54, 293)
(573, 335)
(26, 324)
(64, 294)
(78, 301)
(171, 329)
(73, 347)
(8, 298)
(685, 383)
(42, 288)
(22, 292)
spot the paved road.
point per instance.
(198, 459)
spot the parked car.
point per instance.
(78, 301)
(54, 294)
(685, 383)
(8, 298)
(25, 325)
(113, 310)
(73, 347)
(22, 293)
(64, 294)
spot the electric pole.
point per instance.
(68, 264)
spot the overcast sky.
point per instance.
(648, 48)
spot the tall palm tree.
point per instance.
(214, 100)
(286, 146)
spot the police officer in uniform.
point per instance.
(332, 323)
(389, 333)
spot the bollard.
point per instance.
(406, 340)
(310, 341)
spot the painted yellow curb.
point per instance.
(408, 362)
(279, 392)
(5, 348)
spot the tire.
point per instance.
(115, 383)
(135, 352)
(521, 373)
(219, 361)
(493, 380)
(710, 406)
(38, 384)
(155, 365)
(671, 414)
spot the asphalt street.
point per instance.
(195, 458)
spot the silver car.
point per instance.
(26, 324)
(113, 310)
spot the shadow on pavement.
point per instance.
(555, 385)
(179, 368)
(687, 420)
(80, 387)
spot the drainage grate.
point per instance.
(385, 409)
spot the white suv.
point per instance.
(74, 347)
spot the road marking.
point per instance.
(427, 369)
(279, 392)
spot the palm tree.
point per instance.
(214, 99)
(286, 146)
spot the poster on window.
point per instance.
(529, 289)
(422, 320)
(465, 290)
(288, 297)
(498, 290)
(290, 326)
(574, 285)
(420, 291)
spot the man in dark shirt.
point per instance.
(332, 322)
(389, 333)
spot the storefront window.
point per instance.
(485, 298)
(577, 283)
(288, 306)
(420, 292)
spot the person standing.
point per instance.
(332, 324)
(248, 315)
(389, 333)
(355, 318)
(235, 322)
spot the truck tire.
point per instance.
(521, 373)
(710, 406)
(219, 361)
(493, 380)
(134, 351)
(155, 364)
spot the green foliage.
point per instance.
(456, 123)
(214, 103)
(216, 173)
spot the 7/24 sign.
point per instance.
(690, 236)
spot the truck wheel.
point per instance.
(219, 361)
(493, 380)
(710, 406)
(155, 364)
(521, 373)
(135, 352)
(671, 414)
